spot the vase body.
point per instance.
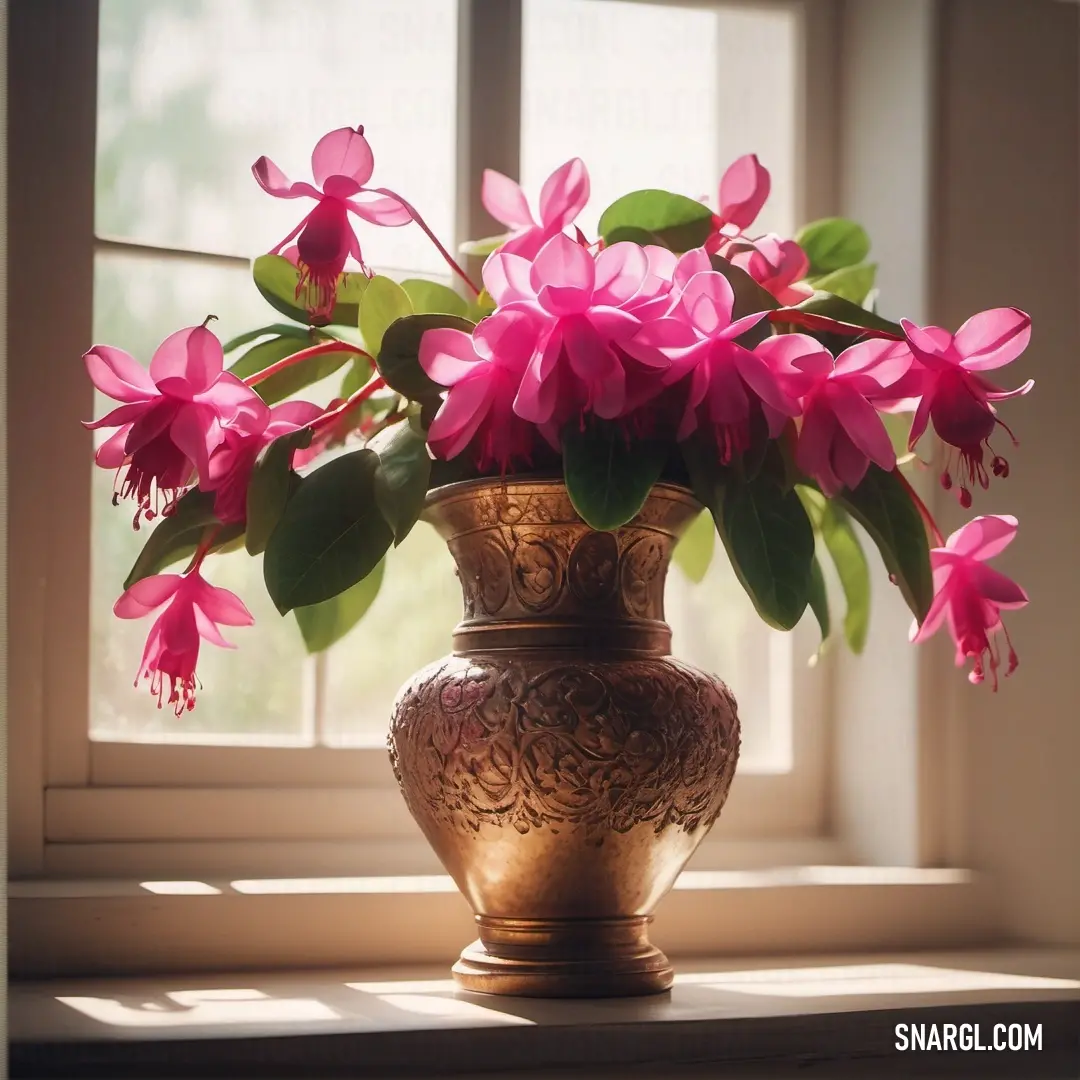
(562, 765)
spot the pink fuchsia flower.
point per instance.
(777, 265)
(582, 328)
(970, 597)
(231, 465)
(341, 164)
(841, 431)
(195, 608)
(726, 383)
(564, 194)
(483, 372)
(172, 417)
(956, 397)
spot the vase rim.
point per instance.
(546, 481)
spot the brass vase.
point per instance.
(562, 765)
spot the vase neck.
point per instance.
(534, 575)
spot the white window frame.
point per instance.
(85, 808)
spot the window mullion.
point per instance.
(489, 109)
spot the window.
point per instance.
(284, 748)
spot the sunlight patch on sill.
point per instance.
(866, 980)
(781, 876)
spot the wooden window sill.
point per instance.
(723, 1018)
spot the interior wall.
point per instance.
(1006, 231)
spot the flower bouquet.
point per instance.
(671, 345)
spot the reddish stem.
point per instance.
(451, 262)
(328, 418)
(924, 513)
(810, 321)
(305, 354)
(209, 536)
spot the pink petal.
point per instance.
(509, 338)
(669, 332)
(196, 433)
(123, 414)
(563, 264)
(620, 271)
(564, 194)
(885, 360)
(744, 188)
(274, 182)
(920, 420)
(761, 380)
(506, 278)
(993, 338)
(848, 461)
(344, 152)
(205, 625)
(794, 354)
(983, 537)
(935, 616)
(1004, 395)
(532, 401)
(193, 355)
(814, 446)
(290, 416)
(111, 453)
(236, 404)
(118, 374)
(864, 427)
(931, 341)
(694, 261)
(708, 299)
(146, 595)
(563, 299)
(447, 356)
(221, 605)
(995, 587)
(740, 326)
(613, 323)
(380, 210)
(460, 416)
(504, 200)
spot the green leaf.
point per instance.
(177, 536)
(883, 507)
(322, 625)
(401, 480)
(384, 302)
(272, 482)
(292, 379)
(431, 298)
(480, 306)
(399, 358)
(833, 243)
(852, 283)
(630, 234)
(330, 536)
(485, 246)
(277, 279)
(357, 376)
(838, 534)
(672, 220)
(274, 329)
(844, 311)
(694, 551)
(770, 542)
(819, 601)
(608, 476)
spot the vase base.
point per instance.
(566, 958)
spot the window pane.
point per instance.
(650, 95)
(256, 692)
(658, 96)
(191, 92)
(408, 626)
